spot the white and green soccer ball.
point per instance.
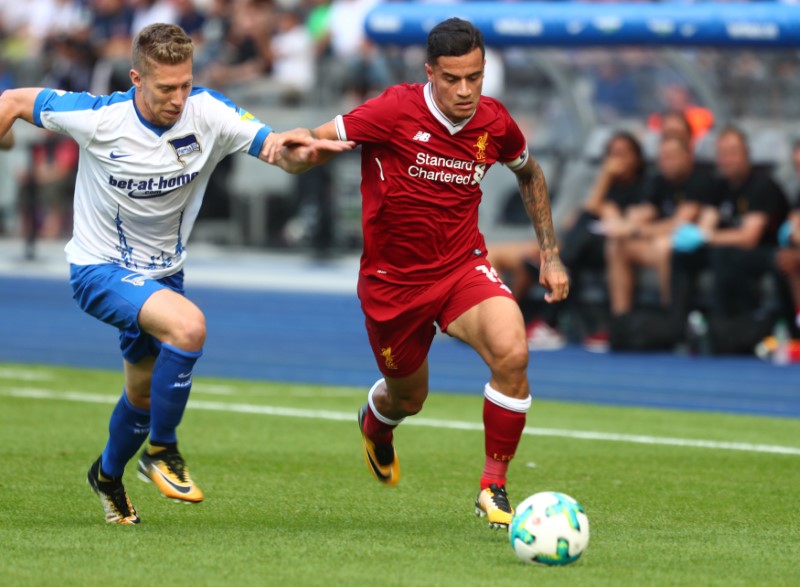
(550, 528)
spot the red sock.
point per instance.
(503, 430)
(377, 431)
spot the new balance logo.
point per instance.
(422, 136)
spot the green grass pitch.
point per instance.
(289, 500)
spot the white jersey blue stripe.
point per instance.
(139, 187)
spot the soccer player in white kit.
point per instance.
(146, 158)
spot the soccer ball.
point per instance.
(549, 528)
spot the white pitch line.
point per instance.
(239, 408)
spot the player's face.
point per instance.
(162, 91)
(457, 83)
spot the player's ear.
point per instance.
(136, 78)
(429, 72)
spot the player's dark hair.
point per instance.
(452, 38)
(161, 43)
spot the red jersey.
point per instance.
(420, 180)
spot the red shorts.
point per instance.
(400, 319)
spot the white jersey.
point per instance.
(139, 186)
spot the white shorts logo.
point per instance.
(134, 279)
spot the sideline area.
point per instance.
(285, 317)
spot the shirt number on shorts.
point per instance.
(491, 275)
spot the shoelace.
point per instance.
(500, 498)
(121, 501)
(176, 464)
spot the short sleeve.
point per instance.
(373, 121)
(513, 146)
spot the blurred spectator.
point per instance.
(70, 64)
(615, 92)
(46, 187)
(245, 56)
(788, 259)
(191, 19)
(642, 238)
(6, 76)
(53, 18)
(674, 124)
(216, 24)
(365, 71)
(678, 98)
(318, 23)
(735, 238)
(618, 185)
(146, 12)
(292, 53)
(110, 36)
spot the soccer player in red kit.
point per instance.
(425, 149)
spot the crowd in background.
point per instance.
(685, 250)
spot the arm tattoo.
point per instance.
(533, 189)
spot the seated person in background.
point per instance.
(46, 187)
(678, 99)
(245, 57)
(788, 258)
(736, 239)
(617, 186)
(642, 238)
(674, 124)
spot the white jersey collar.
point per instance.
(434, 109)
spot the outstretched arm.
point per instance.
(296, 151)
(14, 104)
(533, 189)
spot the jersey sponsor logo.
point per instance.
(388, 359)
(422, 136)
(114, 155)
(480, 147)
(185, 146)
(425, 163)
(153, 187)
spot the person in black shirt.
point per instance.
(735, 237)
(673, 196)
(617, 186)
(788, 257)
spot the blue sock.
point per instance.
(127, 430)
(169, 391)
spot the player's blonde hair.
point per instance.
(161, 43)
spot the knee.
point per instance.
(190, 332)
(411, 406)
(511, 361)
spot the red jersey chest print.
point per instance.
(421, 177)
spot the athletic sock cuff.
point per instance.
(181, 352)
(129, 406)
(509, 403)
(380, 383)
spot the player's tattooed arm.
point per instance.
(533, 189)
